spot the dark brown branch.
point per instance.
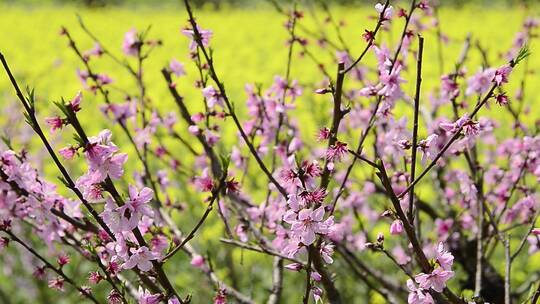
(336, 120)
(414, 151)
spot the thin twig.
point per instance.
(58, 271)
(191, 234)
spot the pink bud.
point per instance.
(396, 227)
(194, 129)
(294, 266)
(322, 91)
(315, 276)
(63, 260)
(197, 261)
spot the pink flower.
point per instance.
(455, 126)
(221, 297)
(313, 197)
(436, 280)
(68, 152)
(212, 96)
(62, 260)
(55, 123)
(173, 300)
(423, 5)
(444, 258)
(75, 103)
(102, 158)
(418, 295)
(137, 206)
(534, 243)
(480, 82)
(232, 186)
(400, 255)
(94, 277)
(501, 74)
(193, 129)
(140, 258)
(535, 231)
(315, 276)
(131, 43)
(368, 36)
(391, 82)
(449, 88)
(114, 297)
(57, 283)
(204, 182)
(4, 242)
(92, 192)
(85, 290)
(308, 223)
(241, 231)
(121, 111)
(324, 134)
(396, 227)
(501, 99)
(39, 273)
(327, 250)
(145, 297)
(317, 294)
(104, 79)
(336, 151)
(443, 227)
(95, 51)
(177, 67)
(471, 128)
(197, 261)
(388, 12)
(294, 266)
(198, 117)
(205, 37)
(159, 243)
(428, 146)
(322, 91)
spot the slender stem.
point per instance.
(58, 271)
(221, 87)
(364, 159)
(415, 126)
(507, 270)
(479, 249)
(523, 240)
(305, 300)
(439, 39)
(215, 195)
(391, 257)
(277, 281)
(370, 42)
(262, 250)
